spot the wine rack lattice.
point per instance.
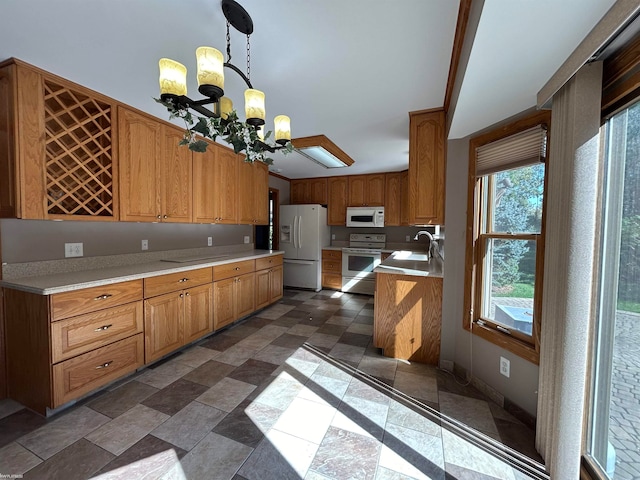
(79, 155)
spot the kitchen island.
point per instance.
(408, 307)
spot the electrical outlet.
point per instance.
(73, 250)
(209, 241)
(145, 244)
(408, 238)
(333, 236)
(247, 239)
(505, 367)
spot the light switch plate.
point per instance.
(209, 241)
(145, 244)
(247, 239)
(73, 250)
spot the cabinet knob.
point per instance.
(187, 294)
(159, 217)
(182, 280)
(103, 328)
(165, 216)
(104, 365)
(103, 297)
(237, 268)
(181, 295)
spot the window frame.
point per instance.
(521, 345)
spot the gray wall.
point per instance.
(394, 234)
(475, 354)
(283, 186)
(36, 240)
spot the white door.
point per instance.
(308, 232)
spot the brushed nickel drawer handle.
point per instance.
(104, 327)
(104, 365)
(103, 297)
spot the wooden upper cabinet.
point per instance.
(338, 196)
(366, 190)
(204, 185)
(309, 190)
(139, 144)
(253, 193)
(155, 172)
(404, 201)
(426, 167)
(393, 199)
(225, 188)
(56, 155)
(175, 178)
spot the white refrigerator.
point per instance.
(303, 234)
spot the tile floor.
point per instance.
(282, 395)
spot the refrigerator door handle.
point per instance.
(300, 232)
(299, 262)
(295, 231)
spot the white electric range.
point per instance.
(358, 261)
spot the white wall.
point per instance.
(473, 353)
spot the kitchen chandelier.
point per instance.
(222, 120)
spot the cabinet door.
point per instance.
(276, 284)
(176, 174)
(392, 201)
(374, 190)
(317, 188)
(263, 288)
(245, 294)
(245, 193)
(226, 186)
(338, 191)
(204, 185)
(139, 140)
(198, 312)
(8, 116)
(404, 198)
(223, 302)
(298, 192)
(357, 190)
(426, 168)
(163, 325)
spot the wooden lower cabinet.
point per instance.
(233, 298)
(175, 319)
(332, 269)
(408, 317)
(268, 286)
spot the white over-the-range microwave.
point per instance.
(365, 216)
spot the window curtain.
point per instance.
(572, 196)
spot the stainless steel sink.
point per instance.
(408, 261)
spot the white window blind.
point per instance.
(523, 148)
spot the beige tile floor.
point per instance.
(295, 391)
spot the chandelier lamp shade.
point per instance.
(210, 75)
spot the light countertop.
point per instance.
(65, 282)
(405, 262)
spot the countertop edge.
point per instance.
(147, 270)
(407, 271)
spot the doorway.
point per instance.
(266, 235)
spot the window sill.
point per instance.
(507, 342)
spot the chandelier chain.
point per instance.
(228, 44)
(248, 58)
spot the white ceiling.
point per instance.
(348, 69)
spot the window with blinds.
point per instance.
(507, 244)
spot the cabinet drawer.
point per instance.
(233, 269)
(77, 376)
(176, 281)
(77, 302)
(268, 262)
(332, 255)
(77, 335)
(331, 280)
(332, 266)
